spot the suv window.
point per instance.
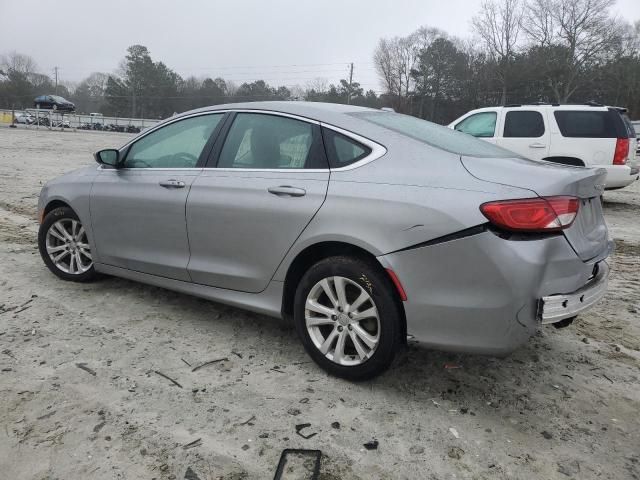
(263, 141)
(481, 124)
(177, 145)
(342, 150)
(587, 124)
(435, 135)
(629, 124)
(523, 124)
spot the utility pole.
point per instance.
(133, 96)
(55, 70)
(350, 81)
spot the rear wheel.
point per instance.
(64, 246)
(347, 317)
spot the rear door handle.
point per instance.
(172, 184)
(537, 145)
(288, 191)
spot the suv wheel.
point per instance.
(64, 246)
(348, 318)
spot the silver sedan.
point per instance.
(361, 226)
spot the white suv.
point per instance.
(583, 135)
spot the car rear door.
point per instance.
(267, 178)
(525, 133)
(138, 210)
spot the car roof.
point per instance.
(320, 111)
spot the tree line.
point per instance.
(522, 51)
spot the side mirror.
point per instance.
(109, 156)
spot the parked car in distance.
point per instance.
(362, 226)
(53, 102)
(24, 118)
(582, 135)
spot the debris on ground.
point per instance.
(568, 467)
(302, 426)
(190, 474)
(195, 443)
(455, 452)
(247, 422)
(210, 362)
(168, 378)
(372, 445)
(84, 367)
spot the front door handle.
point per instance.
(172, 184)
(287, 190)
(537, 145)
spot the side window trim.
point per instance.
(214, 156)
(124, 151)
(377, 150)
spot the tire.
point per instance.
(356, 276)
(67, 247)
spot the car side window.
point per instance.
(523, 124)
(177, 145)
(481, 124)
(342, 150)
(264, 141)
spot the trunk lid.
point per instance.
(588, 234)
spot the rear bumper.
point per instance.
(482, 294)
(554, 308)
(619, 176)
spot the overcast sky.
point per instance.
(286, 42)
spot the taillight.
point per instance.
(622, 151)
(542, 214)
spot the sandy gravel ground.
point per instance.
(565, 406)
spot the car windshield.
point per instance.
(58, 99)
(435, 135)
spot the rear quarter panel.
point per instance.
(413, 194)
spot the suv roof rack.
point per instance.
(535, 104)
(593, 103)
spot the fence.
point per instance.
(53, 119)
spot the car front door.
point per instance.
(524, 132)
(270, 178)
(138, 210)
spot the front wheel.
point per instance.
(64, 246)
(347, 317)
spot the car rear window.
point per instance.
(589, 124)
(435, 135)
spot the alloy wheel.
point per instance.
(68, 247)
(342, 320)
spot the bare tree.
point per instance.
(319, 85)
(394, 60)
(18, 63)
(498, 25)
(578, 33)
